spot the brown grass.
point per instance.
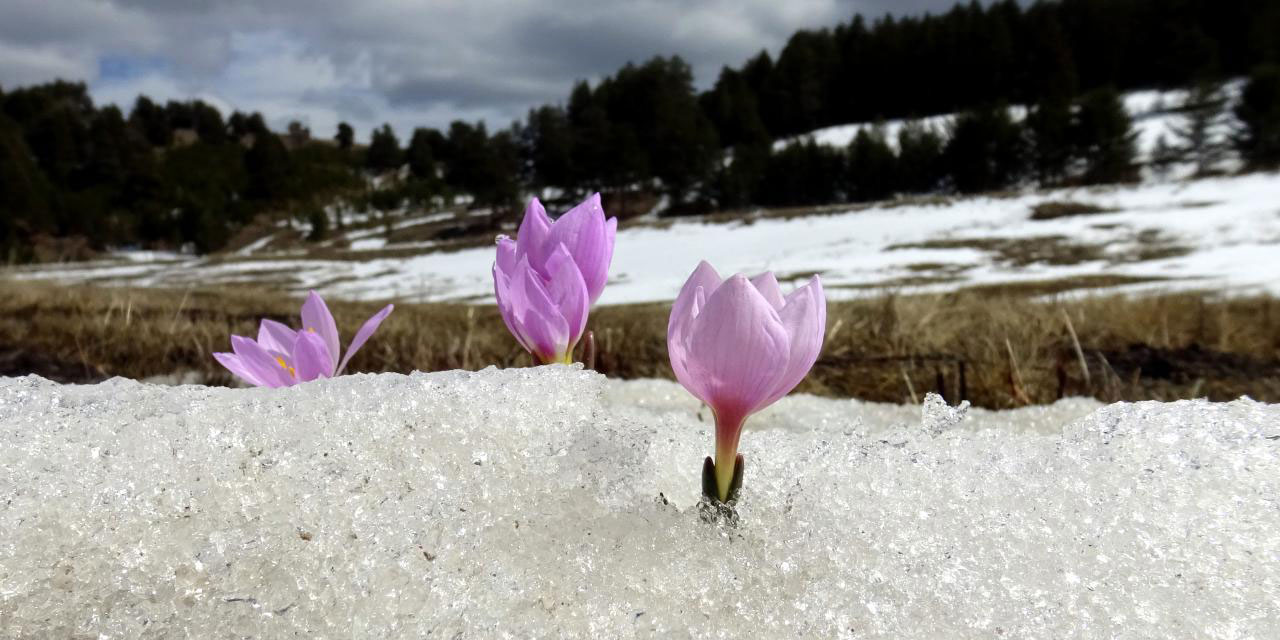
(995, 348)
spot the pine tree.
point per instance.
(1049, 129)
(345, 137)
(1163, 157)
(919, 158)
(871, 166)
(1200, 136)
(384, 150)
(420, 155)
(986, 150)
(1258, 138)
(1104, 138)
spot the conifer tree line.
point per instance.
(183, 174)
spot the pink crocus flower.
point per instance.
(283, 357)
(739, 345)
(548, 277)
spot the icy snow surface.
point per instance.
(552, 503)
(1220, 234)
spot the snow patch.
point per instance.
(552, 502)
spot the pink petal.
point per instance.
(264, 366)
(316, 317)
(702, 281)
(531, 238)
(233, 364)
(538, 318)
(583, 232)
(363, 335)
(768, 287)
(507, 257)
(737, 349)
(568, 292)
(274, 336)
(502, 291)
(805, 318)
(310, 357)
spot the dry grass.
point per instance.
(995, 348)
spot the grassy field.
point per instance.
(993, 347)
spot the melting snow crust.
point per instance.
(552, 502)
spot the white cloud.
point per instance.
(400, 61)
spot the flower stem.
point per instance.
(728, 431)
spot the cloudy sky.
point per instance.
(410, 63)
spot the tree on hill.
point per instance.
(1049, 129)
(1201, 134)
(919, 160)
(384, 150)
(1258, 138)
(1104, 138)
(872, 167)
(346, 136)
(986, 150)
(420, 154)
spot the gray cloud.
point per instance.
(402, 61)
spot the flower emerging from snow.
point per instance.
(282, 357)
(548, 277)
(739, 345)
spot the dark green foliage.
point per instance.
(345, 137)
(872, 167)
(420, 155)
(802, 174)
(548, 142)
(1259, 114)
(986, 151)
(319, 225)
(24, 195)
(152, 121)
(1050, 135)
(384, 150)
(1104, 138)
(920, 168)
(1201, 134)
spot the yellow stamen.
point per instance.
(284, 365)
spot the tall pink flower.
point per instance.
(283, 357)
(739, 345)
(548, 277)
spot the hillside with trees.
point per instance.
(77, 177)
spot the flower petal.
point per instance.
(703, 281)
(507, 301)
(316, 317)
(737, 349)
(271, 371)
(363, 334)
(507, 257)
(768, 287)
(233, 364)
(583, 231)
(568, 292)
(275, 336)
(531, 238)
(310, 356)
(805, 318)
(540, 321)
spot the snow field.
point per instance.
(553, 502)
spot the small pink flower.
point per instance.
(283, 357)
(548, 277)
(739, 345)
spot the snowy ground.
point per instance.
(1154, 114)
(1220, 234)
(552, 503)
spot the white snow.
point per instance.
(1228, 227)
(550, 502)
